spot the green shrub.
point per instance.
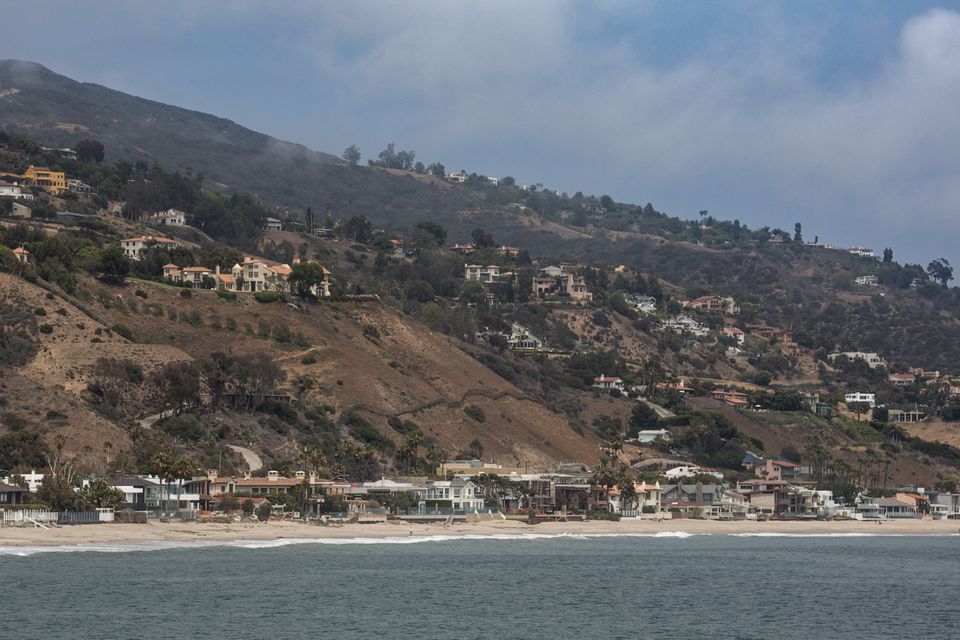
(229, 296)
(186, 293)
(475, 412)
(266, 296)
(141, 293)
(124, 331)
(371, 331)
(308, 359)
(46, 328)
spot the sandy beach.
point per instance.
(214, 532)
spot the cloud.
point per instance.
(746, 128)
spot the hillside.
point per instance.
(426, 371)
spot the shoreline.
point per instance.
(128, 534)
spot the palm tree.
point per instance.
(160, 466)
(181, 470)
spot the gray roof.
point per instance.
(9, 488)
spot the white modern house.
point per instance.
(689, 471)
(15, 191)
(869, 398)
(873, 360)
(171, 216)
(653, 435)
(136, 246)
(489, 274)
(685, 324)
(867, 281)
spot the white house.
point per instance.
(653, 435)
(553, 272)
(521, 339)
(135, 247)
(456, 495)
(168, 217)
(457, 176)
(863, 252)
(15, 191)
(685, 324)
(33, 480)
(689, 471)
(869, 398)
(873, 360)
(735, 333)
(643, 304)
(867, 281)
(272, 224)
(607, 383)
(489, 274)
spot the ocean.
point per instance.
(511, 587)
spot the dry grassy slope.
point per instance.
(904, 468)
(407, 370)
(51, 381)
(936, 430)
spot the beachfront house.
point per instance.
(10, 494)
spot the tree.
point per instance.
(182, 469)
(940, 270)
(482, 239)
(306, 277)
(352, 154)
(160, 466)
(264, 511)
(358, 229)
(88, 150)
(419, 168)
(797, 232)
(473, 293)
(607, 203)
(888, 255)
(508, 181)
(113, 265)
(100, 495)
(437, 170)
(858, 408)
(427, 234)
(642, 418)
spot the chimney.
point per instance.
(216, 270)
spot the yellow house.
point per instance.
(54, 182)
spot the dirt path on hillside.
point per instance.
(252, 459)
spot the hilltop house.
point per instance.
(643, 304)
(136, 246)
(907, 416)
(553, 272)
(736, 334)
(457, 176)
(15, 191)
(608, 383)
(463, 249)
(78, 186)
(869, 398)
(505, 250)
(689, 471)
(272, 224)
(575, 287)
(173, 217)
(867, 281)
(196, 277)
(732, 398)
(543, 286)
(863, 252)
(901, 379)
(685, 324)
(53, 182)
(872, 359)
(714, 304)
(653, 435)
(489, 274)
(520, 339)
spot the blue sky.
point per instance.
(838, 115)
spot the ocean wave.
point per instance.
(252, 544)
(174, 545)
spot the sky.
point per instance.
(837, 115)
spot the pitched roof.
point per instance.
(197, 269)
(9, 488)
